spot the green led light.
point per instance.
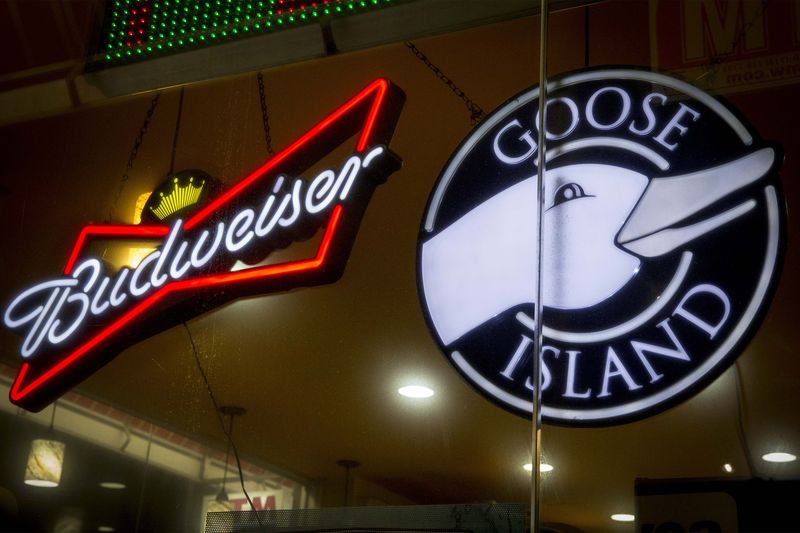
(175, 24)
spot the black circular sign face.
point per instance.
(663, 232)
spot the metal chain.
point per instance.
(264, 114)
(476, 113)
(134, 152)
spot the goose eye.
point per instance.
(567, 192)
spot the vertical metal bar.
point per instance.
(536, 440)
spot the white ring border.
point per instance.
(639, 405)
(755, 302)
(624, 74)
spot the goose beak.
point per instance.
(653, 227)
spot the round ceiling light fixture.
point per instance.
(543, 467)
(415, 391)
(727, 467)
(113, 485)
(623, 517)
(779, 457)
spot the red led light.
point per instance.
(266, 16)
(379, 87)
(138, 18)
(18, 392)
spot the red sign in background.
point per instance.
(727, 45)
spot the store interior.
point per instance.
(318, 369)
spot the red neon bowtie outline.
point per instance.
(377, 89)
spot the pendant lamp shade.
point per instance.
(45, 462)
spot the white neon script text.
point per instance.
(53, 311)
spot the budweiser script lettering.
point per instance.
(51, 312)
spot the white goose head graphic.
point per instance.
(600, 223)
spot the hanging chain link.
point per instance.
(134, 152)
(265, 115)
(476, 113)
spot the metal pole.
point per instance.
(536, 439)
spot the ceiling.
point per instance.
(317, 369)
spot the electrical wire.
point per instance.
(175, 134)
(53, 417)
(228, 433)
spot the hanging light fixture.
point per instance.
(221, 502)
(45, 460)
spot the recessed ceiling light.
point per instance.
(727, 467)
(415, 391)
(544, 467)
(623, 517)
(113, 485)
(40, 483)
(779, 457)
(106, 528)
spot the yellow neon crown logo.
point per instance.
(177, 199)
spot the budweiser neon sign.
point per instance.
(74, 323)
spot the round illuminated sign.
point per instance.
(663, 235)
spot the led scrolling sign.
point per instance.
(75, 323)
(663, 238)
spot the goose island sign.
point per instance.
(206, 253)
(663, 234)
